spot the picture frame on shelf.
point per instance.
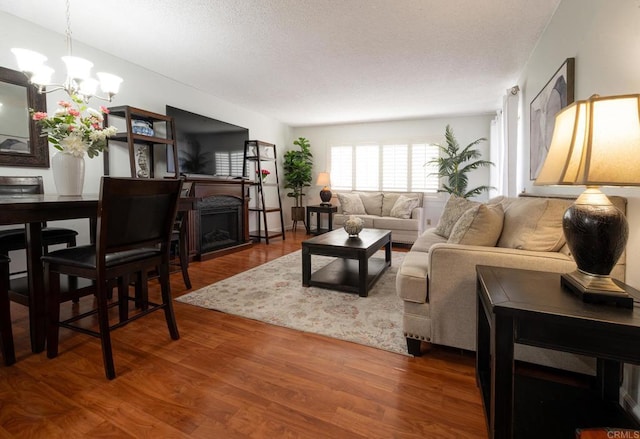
(557, 93)
(144, 161)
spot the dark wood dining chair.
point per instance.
(134, 224)
(179, 238)
(6, 334)
(15, 238)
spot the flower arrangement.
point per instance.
(264, 173)
(71, 132)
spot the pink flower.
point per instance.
(64, 104)
(73, 112)
(39, 115)
(104, 109)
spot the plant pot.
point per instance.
(297, 213)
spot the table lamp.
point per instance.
(325, 193)
(595, 142)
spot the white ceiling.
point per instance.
(309, 62)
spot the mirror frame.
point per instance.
(39, 154)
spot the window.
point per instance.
(229, 163)
(341, 167)
(384, 166)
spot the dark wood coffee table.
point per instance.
(355, 270)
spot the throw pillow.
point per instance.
(351, 204)
(372, 203)
(403, 207)
(480, 225)
(453, 209)
(534, 224)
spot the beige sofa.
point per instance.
(400, 212)
(437, 279)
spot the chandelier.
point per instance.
(78, 83)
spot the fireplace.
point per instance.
(220, 222)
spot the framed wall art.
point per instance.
(555, 95)
(21, 142)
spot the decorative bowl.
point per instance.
(353, 226)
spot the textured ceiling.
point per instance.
(308, 62)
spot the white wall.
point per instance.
(141, 88)
(604, 38)
(466, 129)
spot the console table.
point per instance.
(530, 307)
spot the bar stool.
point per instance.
(15, 238)
(134, 222)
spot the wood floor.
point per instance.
(230, 377)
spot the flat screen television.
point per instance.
(206, 146)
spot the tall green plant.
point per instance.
(298, 165)
(454, 164)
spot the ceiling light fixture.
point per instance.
(78, 83)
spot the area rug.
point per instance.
(273, 293)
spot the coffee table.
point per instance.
(354, 270)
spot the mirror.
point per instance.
(20, 141)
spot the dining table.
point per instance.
(32, 210)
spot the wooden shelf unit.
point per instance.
(258, 156)
(142, 146)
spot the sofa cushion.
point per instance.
(351, 204)
(339, 219)
(480, 225)
(426, 240)
(453, 210)
(372, 203)
(390, 223)
(389, 200)
(403, 207)
(533, 224)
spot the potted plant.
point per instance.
(298, 164)
(454, 165)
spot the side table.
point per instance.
(319, 209)
(530, 307)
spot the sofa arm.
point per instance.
(452, 285)
(417, 214)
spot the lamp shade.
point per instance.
(596, 142)
(323, 179)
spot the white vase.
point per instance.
(68, 173)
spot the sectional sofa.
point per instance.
(437, 279)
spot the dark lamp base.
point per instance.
(326, 204)
(325, 196)
(596, 289)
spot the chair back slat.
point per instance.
(11, 185)
(135, 212)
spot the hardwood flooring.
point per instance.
(230, 377)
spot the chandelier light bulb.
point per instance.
(88, 87)
(77, 68)
(42, 76)
(28, 60)
(109, 83)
